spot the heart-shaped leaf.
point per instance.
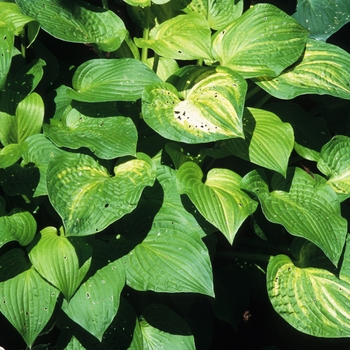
(102, 80)
(305, 205)
(334, 162)
(267, 141)
(162, 267)
(322, 70)
(19, 227)
(272, 41)
(218, 13)
(219, 199)
(184, 37)
(87, 198)
(211, 109)
(314, 301)
(322, 18)
(96, 302)
(30, 307)
(108, 138)
(55, 258)
(78, 22)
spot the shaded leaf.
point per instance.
(219, 199)
(323, 69)
(87, 198)
(271, 42)
(6, 45)
(11, 153)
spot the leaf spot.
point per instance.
(88, 295)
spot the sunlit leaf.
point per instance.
(305, 205)
(88, 198)
(272, 41)
(11, 153)
(322, 70)
(314, 301)
(267, 142)
(77, 21)
(96, 302)
(102, 80)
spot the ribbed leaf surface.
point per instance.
(87, 198)
(272, 41)
(314, 301)
(108, 138)
(77, 21)
(322, 70)
(219, 199)
(305, 205)
(208, 110)
(182, 266)
(102, 80)
(96, 302)
(268, 141)
(55, 258)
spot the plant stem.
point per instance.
(128, 48)
(252, 92)
(145, 34)
(199, 62)
(105, 4)
(155, 63)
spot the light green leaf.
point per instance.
(20, 227)
(55, 258)
(314, 301)
(11, 153)
(27, 121)
(217, 13)
(182, 266)
(7, 38)
(26, 300)
(40, 152)
(322, 70)
(87, 198)
(219, 199)
(345, 267)
(165, 67)
(267, 142)
(101, 80)
(184, 37)
(108, 138)
(154, 325)
(272, 41)
(334, 162)
(96, 302)
(209, 110)
(305, 205)
(322, 18)
(78, 22)
(74, 344)
(141, 3)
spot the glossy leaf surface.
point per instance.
(11, 153)
(76, 184)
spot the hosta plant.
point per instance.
(186, 159)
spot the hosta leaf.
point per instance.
(345, 267)
(19, 227)
(108, 138)
(40, 152)
(314, 301)
(87, 198)
(27, 121)
(7, 36)
(334, 162)
(26, 300)
(78, 22)
(96, 302)
(268, 141)
(55, 258)
(184, 37)
(102, 80)
(141, 3)
(305, 205)
(74, 344)
(271, 42)
(11, 153)
(219, 199)
(162, 267)
(218, 13)
(211, 109)
(323, 69)
(159, 327)
(322, 18)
